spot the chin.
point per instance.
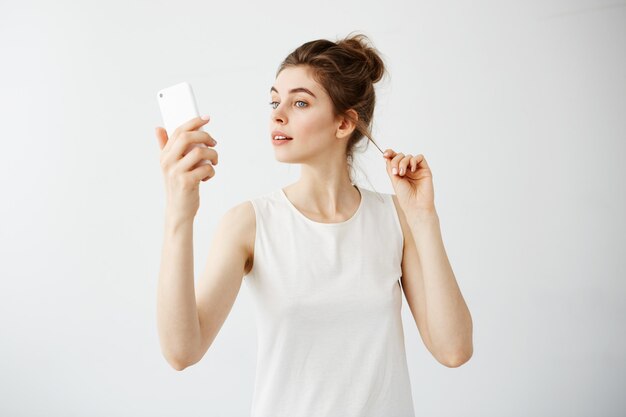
(286, 159)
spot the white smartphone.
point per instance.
(178, 105)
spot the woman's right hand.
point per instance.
(183, 165)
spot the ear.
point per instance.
(347, 126)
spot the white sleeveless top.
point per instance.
(328, 301)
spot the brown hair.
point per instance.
(347, 69)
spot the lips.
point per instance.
(279, 133)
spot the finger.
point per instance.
(403, 164)
(172, 153)
(183, 144)
(189, 125)
(203, 173)
(395, 162)
(421, 160)
(196, 157)
(161, 135)
(389, 153)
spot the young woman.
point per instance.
(326, 260)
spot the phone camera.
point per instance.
(160, 94)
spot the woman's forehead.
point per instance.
(295, 78)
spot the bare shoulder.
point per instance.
(241, 220)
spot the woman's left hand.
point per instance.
(413, 182)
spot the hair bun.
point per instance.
(360, 45)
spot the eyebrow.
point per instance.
(296, 90)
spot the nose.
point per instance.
(278, 115)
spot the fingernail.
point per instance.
(205, 117)
(401, 171)
(394, 171)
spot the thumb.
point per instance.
(161, 135)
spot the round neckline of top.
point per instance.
(299, 213)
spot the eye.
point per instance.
(274, 104)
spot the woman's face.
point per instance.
(302, 110)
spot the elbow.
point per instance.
(176, 364)
(178, 357)
(179, 360)
(458, 353)
(454, 361)
(186, 362)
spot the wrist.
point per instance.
(422, 216)
(176, 221)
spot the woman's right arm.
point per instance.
(177, 315)
(183, 169)
(190, 318)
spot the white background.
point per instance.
(518, 106)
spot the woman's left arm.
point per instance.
(448, 320)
